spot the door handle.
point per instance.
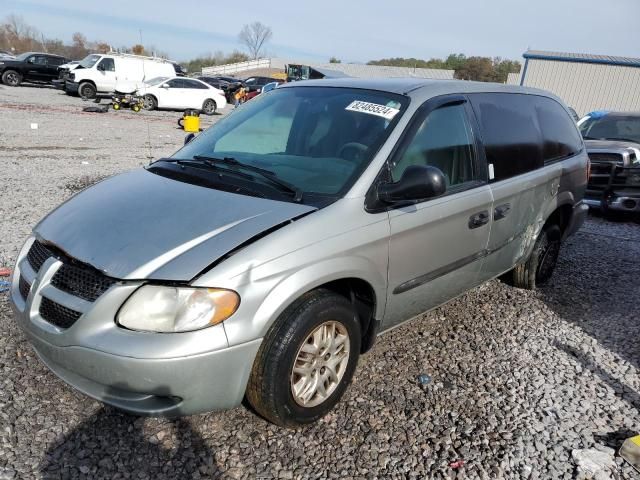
(479, 219)
(501, 211)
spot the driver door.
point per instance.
(37, 68)
(436, 245)
(106, 78)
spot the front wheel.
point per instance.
(209, 107)
(87, 90)
(306, 360)
(149, 102)
(11, 78)
(540, 265)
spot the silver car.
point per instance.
(265, 256)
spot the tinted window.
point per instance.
(510, 132)
(176, 83)
(559, 133)
(55, 61)
(443, 140)
(193, 84)
(107, 65)
(39, 60)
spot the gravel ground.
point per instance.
(519, 379)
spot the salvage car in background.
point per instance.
(99, 73)
(30, 67)
(613, 143)
(269, 252)
(181, 93)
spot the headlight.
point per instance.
(155, 308)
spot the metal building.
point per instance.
(585, 82)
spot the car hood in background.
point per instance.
(610, 144)
(139, 225)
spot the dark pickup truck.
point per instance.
(613, 144)
(30, 67)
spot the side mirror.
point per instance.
(417, 183)
(164, 85)
(31, 60)
(100, 67)
(189, 137)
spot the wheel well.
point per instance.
(361, 294)
(87, 81)
(561, 216)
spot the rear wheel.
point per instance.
(11, 78)
(306, 361)
(209, 107)
(87, 90)
(540, 265)
(149, 102)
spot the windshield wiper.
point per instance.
(266, 174)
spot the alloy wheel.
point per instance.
(320, 364)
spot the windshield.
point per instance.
(612, 127)
(317, 139)
(23, 56)
(89, 61)
(155, 81)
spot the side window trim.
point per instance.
(405, 139)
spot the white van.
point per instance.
(99, 73)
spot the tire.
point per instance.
(539, 267)
(209, 107)
(136, 108)
(11, 78)
(87, 90)
(149, 102)
(116, 106)
(273, 381)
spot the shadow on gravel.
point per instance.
(111, 444)
(595, 287)
(622, 390)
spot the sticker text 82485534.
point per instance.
(373, 109)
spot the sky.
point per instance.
(354, 31)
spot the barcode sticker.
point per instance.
(373, 109)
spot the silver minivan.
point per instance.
(269, 252)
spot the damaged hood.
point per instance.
(139, 225)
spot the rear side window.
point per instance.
(510, 132)
(559, 133)
(193, 84)
(55, 61)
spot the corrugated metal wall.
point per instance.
(513, 79)
(587, 86)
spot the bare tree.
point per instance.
(18, 35)
(254, 36)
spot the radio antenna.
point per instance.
(144, 78)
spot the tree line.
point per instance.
(17, 36)
(482, 69)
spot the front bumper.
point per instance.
(156, 387)
(71, 87)
(139, 372)
(621, 203)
